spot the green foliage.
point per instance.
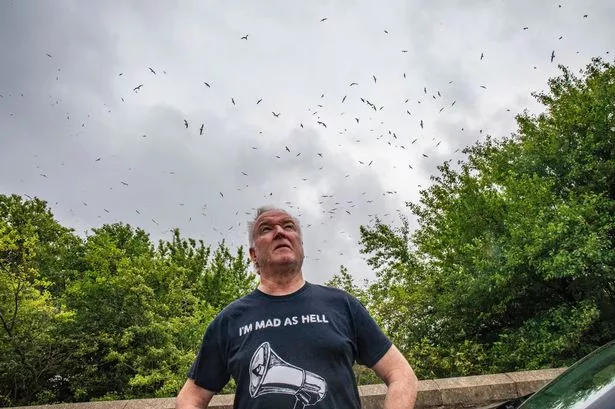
(513, 263)
(108, 317)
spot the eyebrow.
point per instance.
(268, 221)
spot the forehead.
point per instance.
(273, 216)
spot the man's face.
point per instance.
(277, 242)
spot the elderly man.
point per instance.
(291, 343)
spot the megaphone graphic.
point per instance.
(271, 374)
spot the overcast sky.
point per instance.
(76, 133)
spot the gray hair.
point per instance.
(264, 209)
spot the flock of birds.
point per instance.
(362, 124)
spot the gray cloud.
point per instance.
(99, 152)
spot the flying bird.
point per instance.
(321, 123)
(233, 101)
(207, 84)
(201, 129)
(124, 183)
(276, 115)
(374, 77)
(245, 37)
(353, 83)
(344, 99)
(323, 19)
(481, 55)
(421, 124)
(186, 124)
(137, 88)
(152, 70)
(288, 150)
(552, 55)
(259, 101)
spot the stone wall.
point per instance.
(447, 393)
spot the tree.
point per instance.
(32, 349)
(512, 265)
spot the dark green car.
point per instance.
(588, 384)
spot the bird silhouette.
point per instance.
(481, 55)
(323, 19)
(233, 101)
(137, 88)
(353, 83)
(245, 37)
(344, 99)
(276, 115)
(552, 55)
(201, 129)
(321, 123)
(259, 101)
(186, 124)
(207, 84)
(152, 70)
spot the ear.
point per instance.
(252, 255)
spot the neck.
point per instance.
(281, 285)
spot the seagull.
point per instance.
(245, 37)
(288, 150)
(201, 129)
(137, 88)
(344, 99)
(552, 55)
(482, 86)
(353, 83)
(481, 55)
(276, 115)
(323, 19)
(374, 77)
(421, 124)
(152, 70)
(124, 183)
(186, 124)
(259, 101)
(233, 101)
(321, 123)
(206, 83)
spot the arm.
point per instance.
(401, 381)
(193, 396)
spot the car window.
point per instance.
(584, 383)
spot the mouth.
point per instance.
(280, 246)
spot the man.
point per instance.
(290, 343)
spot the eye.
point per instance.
(265, 229)
(289, 226)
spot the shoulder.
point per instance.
(331, 292)
(238, 307)
(334, 295)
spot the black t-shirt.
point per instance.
(290, 351)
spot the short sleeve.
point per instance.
(371, 341)
(209, 369)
